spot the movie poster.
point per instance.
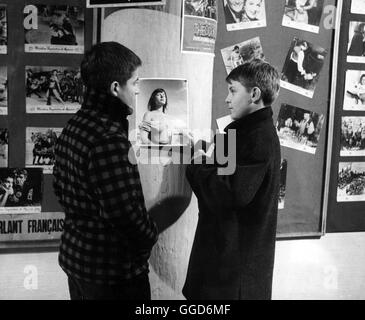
(20, 190)
(354, 96)
(244, 14)
(54, 29)
(282, 188)
(298, 128)
(351, 181)
(53, 89)
(355, 47)
(199, 26)
(358, 6)
(303, 14)
(3, 30)
(302, 67)
(352, 136)
(39, 148)
(162, 113)
(4, 147)
(3, 91)
(239, 53)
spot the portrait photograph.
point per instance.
(303, 14)
(3, 91)
(358, 6)
(352, 136)
(351, 181)
(51, 89)
(162, 114)
(354, 96)
(298, 128)
(282, 188)
(201, 8)
(355, 47)
(239, 53)
(4, 147)
(39, 147)
(302, 67)
(244, 14)
(20, 190)
(3, 30)
(54, 29)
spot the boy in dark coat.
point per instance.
(234, 246)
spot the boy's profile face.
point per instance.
(128, 92)
(239, 100)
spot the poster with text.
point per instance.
(355, 47)
(358, 6)
(351, 181)
(282, 188)
(352, 136)
(3, 91)
(4, 147)
(3, 30)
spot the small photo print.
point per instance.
(240, 53)
(244, 14)
(162, 115)
(20, 190)
(354, 97)
(358, 6)
(201, 8)
(39, 147)
(355, 48)
(351, 181)
(53, 89)
(352, 136)
(282, 190)
(298, 128)
(303, 14)
(4, 147)
(3, 30)
(54, 29)
(302, 67)
(3, 91)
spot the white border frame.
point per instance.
(113, 5)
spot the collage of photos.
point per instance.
(240, 53)
(53, 89)
(282, 187)
(356, 48)
(244, 14)
(351, 181)
(20, 190)
(352, 136)
(354, 97)
(3, 30)
(3, 91)
(162, 113)
(303, 14)
(4, 147)
(358, 6)
(302, 67)
(299, 129)
(54, 29)
(39, 147)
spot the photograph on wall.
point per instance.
(122, 3)
(358, 6)
(282, 187)
(3, 30)
(4, 147)
(162, 114)
(20, 190)
(299, 128)
(3, 91)
(351, 181)
(39, 147)
(54, 29)
(352, 136)
(53, 89)
(244, 14)
(355, 47)
(239, 53)
(199, 29)
(302, 67)
(354, 96)
(303, 14)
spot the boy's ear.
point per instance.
(255, 94)
(114, 88)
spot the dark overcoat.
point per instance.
(234, 245)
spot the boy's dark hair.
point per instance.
(106, 62)
(258, 73)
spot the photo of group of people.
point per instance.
(201, 8)
(352, 138)
(282, 188)
(302, 67)
(356, 47)
(358, 6)
(4, 147)
(239, 53)
(351, 181)
(3, 90)
(299, 128)
(54, 28)
(53, 89)
(20, 190)
(354, 97)
(3, 30)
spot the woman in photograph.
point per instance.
(233, 11)
(358, 91)
(54, 88)
(251, 10)
(301, 10)
(6, 190)
(235, 57)
(357, 41)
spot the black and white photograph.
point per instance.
(201, 8)
(53, 89)
(54, 29)
(162, 113)
(302, 67)
(298, 128)
(239, 53)
(282, 188)
(352, 136)
(39, 147)
(303, 14)
(354, 96)
(122, 3)
(351, 181)
(3, 90)
(355, 47)
(244, 14)
(358, 6)
(3, 30)
(20, 190)
(4, 147)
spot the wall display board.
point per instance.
(346, 152)
(42, 36)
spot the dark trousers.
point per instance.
(134, 289)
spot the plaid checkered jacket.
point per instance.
(108, 235)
